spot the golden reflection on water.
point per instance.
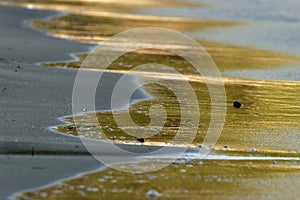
(95, 21)
(269, 118)
(77, 6)
(208, 179)
(226, 57)
(95, 27)
(267, 121)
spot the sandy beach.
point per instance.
(32, 99)
(256, 151)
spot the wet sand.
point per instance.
(204, 179)
(32, 97)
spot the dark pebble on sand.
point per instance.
(237, 104)
(141, 140)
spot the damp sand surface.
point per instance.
(184, 179)
(267, 123)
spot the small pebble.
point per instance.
(122, 138)
(237, 104)
(152, 194)
(110, 129)
(141, 140)
(253, 150)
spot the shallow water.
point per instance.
(257, 155)
(267, 121)
(185, 179)
(272, 24)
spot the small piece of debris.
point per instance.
(201, 146)
(152, 194)
(226, 146)
(122, 138)
(253, 150)
(110, 129)
(237, 104)
(141, 140)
